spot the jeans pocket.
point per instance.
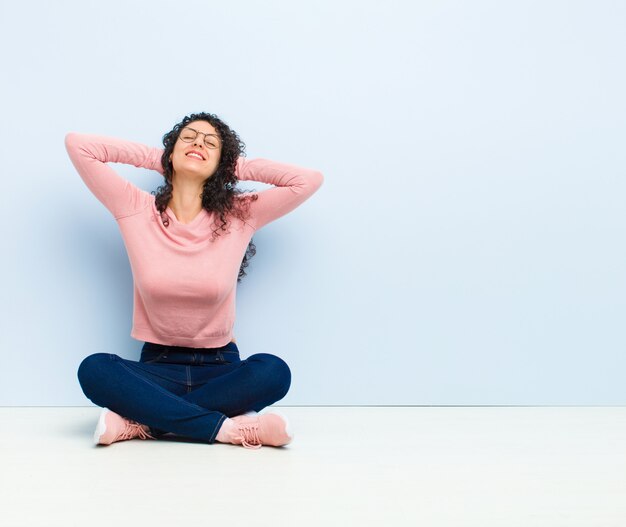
(228, 357)
(147, 359)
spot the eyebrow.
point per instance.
(198, 131)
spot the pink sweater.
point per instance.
(184, 285)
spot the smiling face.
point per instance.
(195, 157)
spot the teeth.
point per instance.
(194, 155)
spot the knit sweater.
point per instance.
(184, 283)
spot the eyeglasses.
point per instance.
(189, 134)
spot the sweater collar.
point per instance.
(198, 231)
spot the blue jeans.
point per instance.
(184, 391)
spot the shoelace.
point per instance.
(250, 435)
(134, 429)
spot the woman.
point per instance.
(187, 246)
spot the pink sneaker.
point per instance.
(113, 427)
(253, 431)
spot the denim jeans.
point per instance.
(184, 391)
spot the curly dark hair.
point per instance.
(219, 193)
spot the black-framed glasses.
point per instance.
(189, 134)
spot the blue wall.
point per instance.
(466, 246)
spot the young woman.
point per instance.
(187, 245)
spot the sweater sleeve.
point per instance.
(293, 186)
(90, 153)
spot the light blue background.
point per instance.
(466, 248)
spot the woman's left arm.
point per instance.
(293, 186)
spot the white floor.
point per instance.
(389, 466)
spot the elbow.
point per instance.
(319, 179)
(71, 138)
(78, 144)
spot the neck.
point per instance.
(186, 200)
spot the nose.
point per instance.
(198, 141)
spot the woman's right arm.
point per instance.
(90, 153)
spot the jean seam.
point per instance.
(161, 389)
(215, 432)
(161, 375)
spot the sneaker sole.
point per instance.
(101, 428)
